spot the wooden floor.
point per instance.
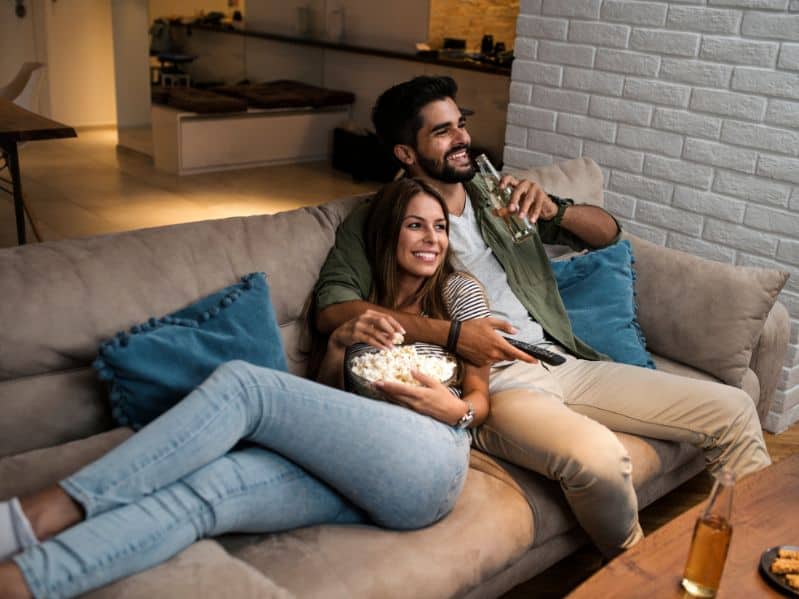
(86, 186)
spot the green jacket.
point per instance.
(347, 274)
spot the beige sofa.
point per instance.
(701, 319)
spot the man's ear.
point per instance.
(405, 154)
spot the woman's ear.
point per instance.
(405, 154)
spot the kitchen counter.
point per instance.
(457, 63)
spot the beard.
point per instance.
(443, 171)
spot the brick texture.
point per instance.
(691, 110)
(473, 19)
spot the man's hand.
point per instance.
(480, 344)
(528, 199)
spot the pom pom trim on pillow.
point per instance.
(112, 353)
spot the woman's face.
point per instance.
(423, 241)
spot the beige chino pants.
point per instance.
(558, 423)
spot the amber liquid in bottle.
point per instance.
(710, 541)
(519, 228)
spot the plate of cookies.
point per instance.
(780, 567)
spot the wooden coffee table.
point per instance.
(765, 513)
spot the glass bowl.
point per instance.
(362, 386)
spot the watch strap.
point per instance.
(562, 205)
(465, 420)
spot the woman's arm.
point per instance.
(478, 343)
(435, 400)
(372, 327)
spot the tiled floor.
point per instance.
(86, 186)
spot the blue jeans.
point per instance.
(314, 455)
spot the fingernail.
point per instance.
(514, 330)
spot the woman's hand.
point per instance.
(378, 329)
(432, 399)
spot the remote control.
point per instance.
(537, 352)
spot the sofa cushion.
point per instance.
(749, 383)
(197, 100)
(598, 290)
(49, 409)
(34, 470)
(202, 571)
(163, 360)
(579, 179)
(490, 527)
(701, 312)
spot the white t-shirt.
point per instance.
(470, 253)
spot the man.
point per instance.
(554, 420)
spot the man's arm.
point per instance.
(590, 223)
(594, 226)
(478, 343)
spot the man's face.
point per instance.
(442, 144)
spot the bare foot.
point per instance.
(50, 511)
(12, 583)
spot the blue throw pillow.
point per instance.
(162, 360)
(598, 290)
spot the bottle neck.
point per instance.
(720, 503)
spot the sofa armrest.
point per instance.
(703, 313)
(769, 355)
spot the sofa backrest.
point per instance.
(61, 299)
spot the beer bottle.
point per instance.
(519, 228)
(711, 540)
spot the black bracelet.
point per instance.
(454, 333)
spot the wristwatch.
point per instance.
(465, 420)
(562, 203)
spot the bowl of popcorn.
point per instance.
(364, 365)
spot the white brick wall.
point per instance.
(691, 108)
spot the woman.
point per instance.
(180, 479)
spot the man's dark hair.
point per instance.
(396, 113)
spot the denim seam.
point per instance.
(209, 506)
(90, 504)
(130, 549)
(36, 586)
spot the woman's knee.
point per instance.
(237, 370)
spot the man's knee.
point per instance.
(600, 457)
(735, 408)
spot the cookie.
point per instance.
(788, 553)
(783, 565)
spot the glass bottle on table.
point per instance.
(519, 228)
(711, 540)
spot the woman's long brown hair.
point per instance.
(381, 234)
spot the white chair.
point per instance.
(23, 89)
